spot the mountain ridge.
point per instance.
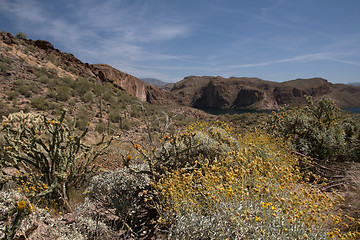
(192, 91)
(255, 93)
(67, 64)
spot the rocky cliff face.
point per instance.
(124, 81)
(255, 93)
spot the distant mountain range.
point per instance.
(255, 93)
(24, 59)
(154, 81)
(354, 84)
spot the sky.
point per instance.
(276, 40)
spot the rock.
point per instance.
(212, 96)
(157, 96)
(8, 39)
(247, 97)
(44, 45)
(130, 84)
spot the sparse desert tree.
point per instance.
(21, 35)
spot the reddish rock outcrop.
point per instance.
(255, 93)
(124, 81)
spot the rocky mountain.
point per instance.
(66, 64)
(158, 83)
(25, 66)
(219, 92)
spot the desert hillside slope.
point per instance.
(20, 55)
(219, 92)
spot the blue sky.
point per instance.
(275, 40)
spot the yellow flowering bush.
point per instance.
(253, 191)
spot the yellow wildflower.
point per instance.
(21, 205)
(258, 219)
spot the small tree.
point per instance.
(21, 35)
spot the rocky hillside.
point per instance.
(218, 92)
(36, 77)
(43, 54)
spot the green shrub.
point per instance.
(73, 70)
(40, 103)
(108, 96)
(51, 72)
(88, 97)
(127, 124)
(11, 95)
(318, 130)
(82, 119)
(115, 115)
(50, 157)
(51, 93)
(34, 88)
(43, 79)
(5, 59)
(62, 93)
(99, 89)
(101, 127)
(81, 86)
(21, 35)
(24, 90)
(125, 192)
(4, 67)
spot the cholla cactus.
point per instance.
(14, 209)
(49, 155)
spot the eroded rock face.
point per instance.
(124, 81)
(131, 85)
(247, 97)
(211, 96)
(295, 91)
(255, 93)
(157, 96)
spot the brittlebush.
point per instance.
(252, 191)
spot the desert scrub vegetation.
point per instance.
(4, 63)
(49, 156)
(319, 130)
(253, 189)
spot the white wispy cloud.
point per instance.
(301, 58)
(98, 32)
